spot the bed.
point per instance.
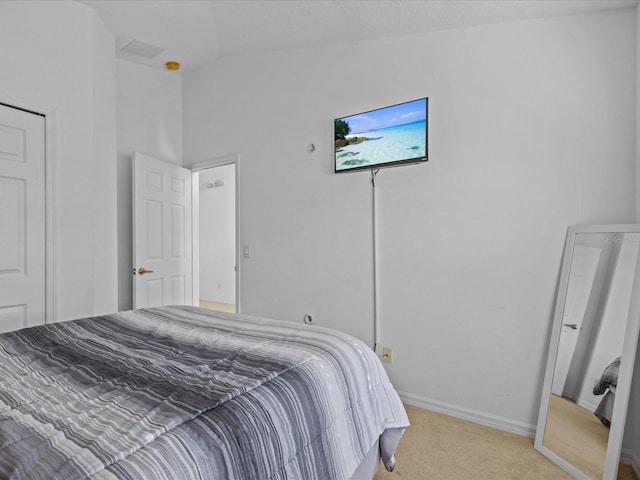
(186, 393)
(607, 384)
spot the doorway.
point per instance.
(215, 263)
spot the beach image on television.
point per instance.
(385, 136)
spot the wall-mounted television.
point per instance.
(384, 137)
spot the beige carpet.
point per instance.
(576, 435)
(439, 447)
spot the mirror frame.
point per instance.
(618, 419)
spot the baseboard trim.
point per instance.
(488, 420)
(635, 464)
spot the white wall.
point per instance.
(58, 57)
(104, 188)
(149, 113)
(218, 235)
(637, 115)
(531, 129)
(632, 435)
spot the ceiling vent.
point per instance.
(141, 49)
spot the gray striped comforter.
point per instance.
(186, 393)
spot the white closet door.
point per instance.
(22, 219)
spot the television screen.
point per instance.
(384, 137)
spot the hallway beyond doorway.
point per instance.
(222, 307)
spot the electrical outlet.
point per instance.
(387, 355)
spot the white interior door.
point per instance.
(161, 233)
(584, 264)
(22, 219)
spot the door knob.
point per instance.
(142, 271)
(572, 326)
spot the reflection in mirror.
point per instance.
(590, 358)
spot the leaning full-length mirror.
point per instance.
(592, 351)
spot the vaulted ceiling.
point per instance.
(193, 32)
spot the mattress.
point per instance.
(187, 393)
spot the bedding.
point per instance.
(607, 384)
(186, 393)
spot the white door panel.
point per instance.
(22, 217)
(583, 270)
(161, 233)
